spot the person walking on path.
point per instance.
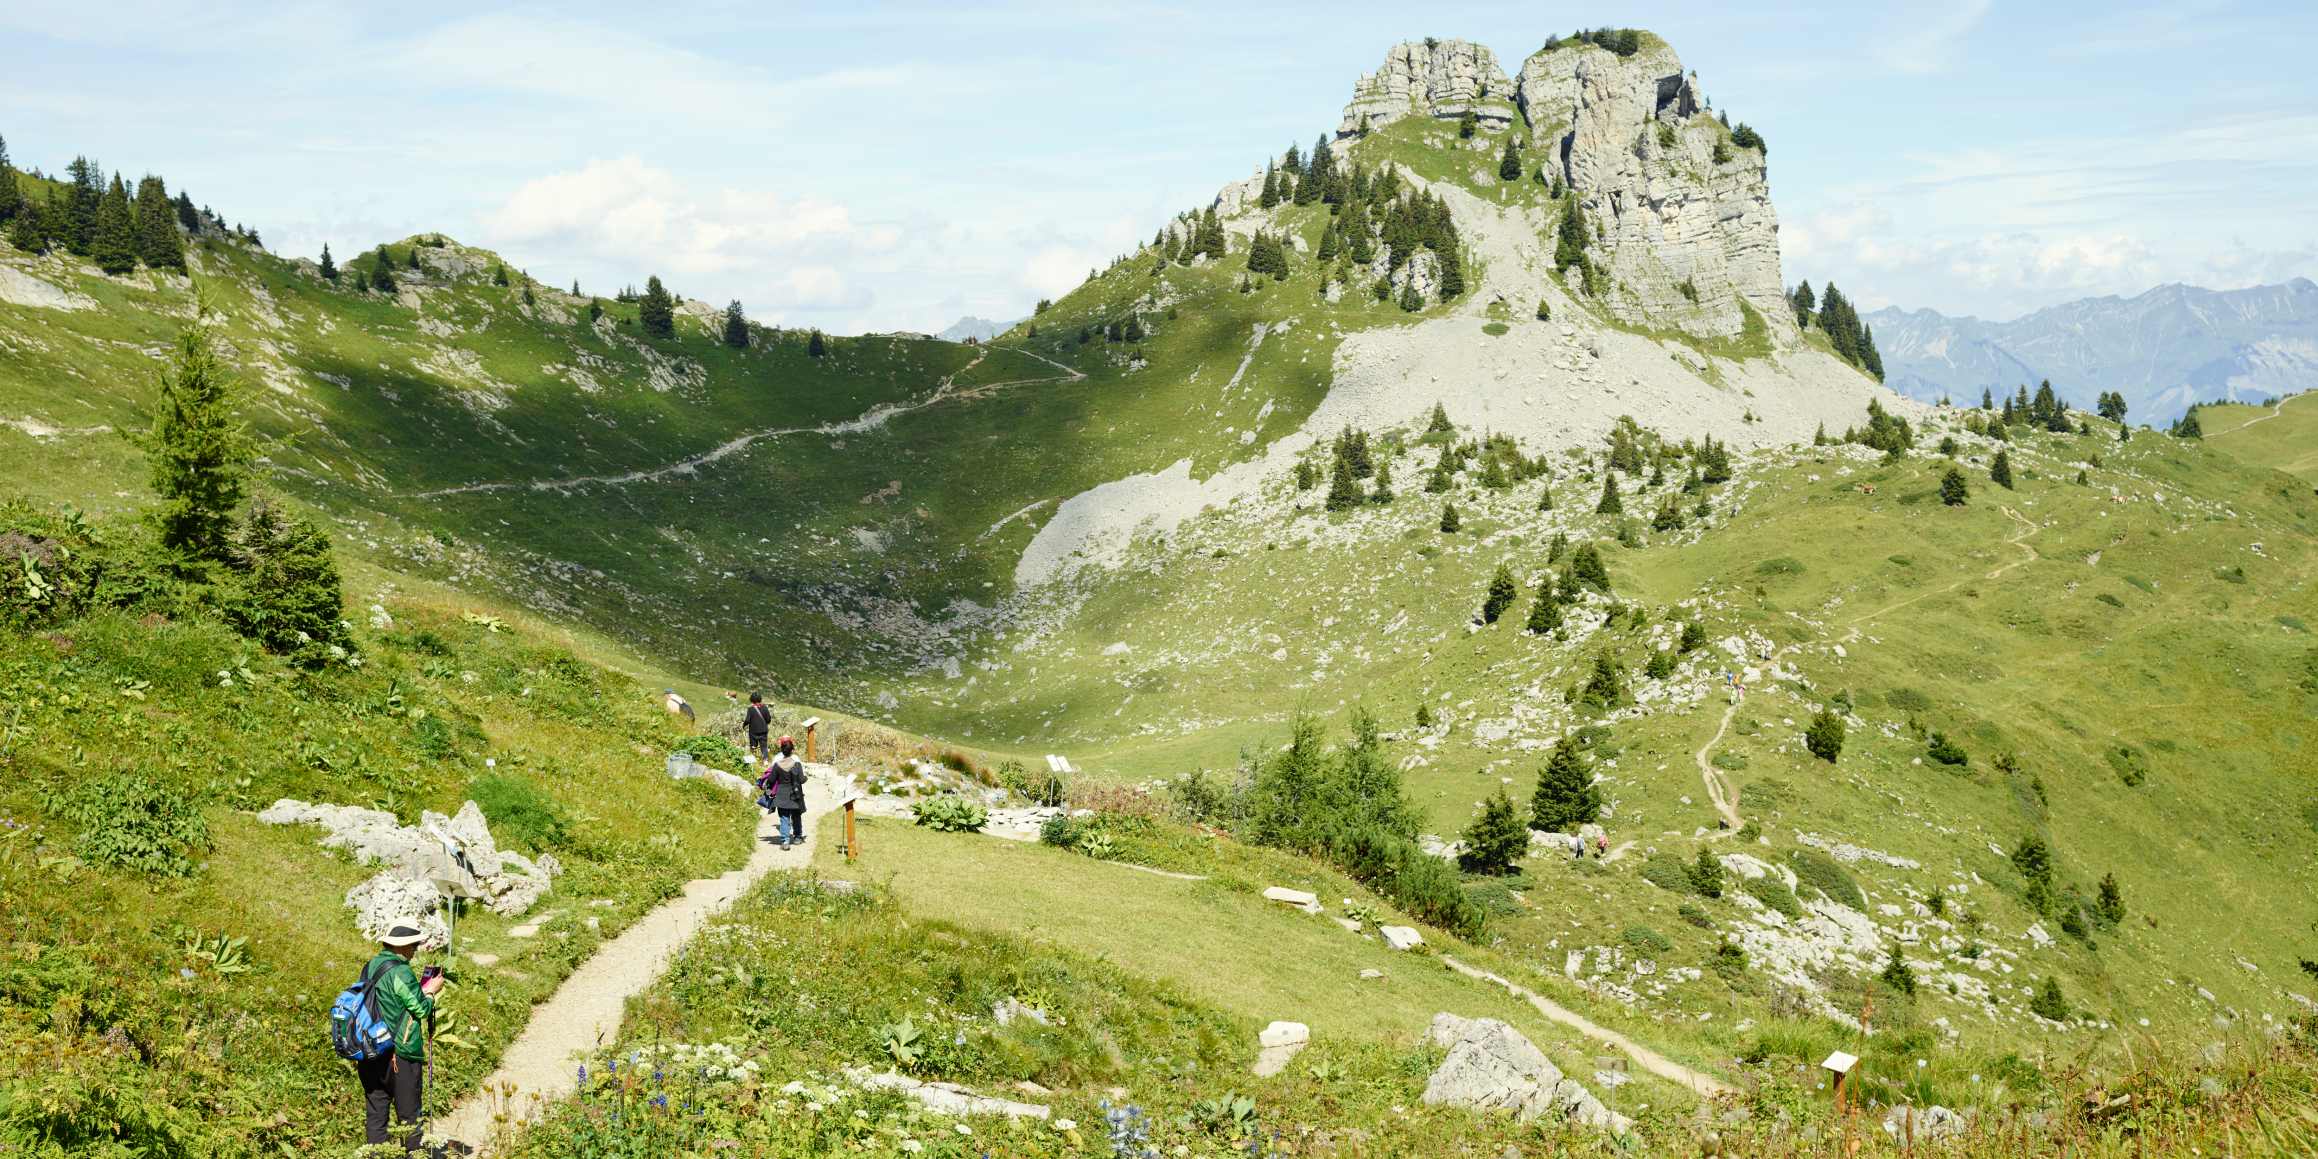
(785, 778)
(759, 721)
(396, 1079)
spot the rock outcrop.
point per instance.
(1432, 78)
(420, 867)
(1634, 138)
(1492, 1066)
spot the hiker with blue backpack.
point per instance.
(378, 1022)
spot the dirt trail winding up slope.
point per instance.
(1717, 787)
(1705, 1086)
(869, 420)
(586, 1010)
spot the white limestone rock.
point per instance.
(1663, 212)
(1491, 1066)
(1432, 78)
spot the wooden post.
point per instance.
(812, 726)
(852, 844)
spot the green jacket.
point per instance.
(402, 1004)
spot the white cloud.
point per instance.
(780, 253)
(1926, 37)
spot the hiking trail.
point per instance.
(2275, 409)
(2028, 528)
(1717, 786)
(586, 1010)
(868, 420)
(1700, 1084)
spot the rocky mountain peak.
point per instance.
(1432, 78)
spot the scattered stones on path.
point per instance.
(1492, 1066)
(1278, 1043)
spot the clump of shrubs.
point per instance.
(950, 814)
(133, 823)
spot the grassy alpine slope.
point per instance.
(2123, 663)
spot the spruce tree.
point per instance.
(1706, 874)
(1383, 492)
(1585, 567)
(382, 271)
(11, 195)
(1497, 840)
(1825, 735)
(1409, 301)
(1440, 424)
(158, 244)
(1509, 165)
(656, 310)
(1566, 797)
(1544, 312)
(1343, 486)
(1897, 974)
(198, 451)
(1544, 610)
(1271, 194)
(1606, 688)
(1953, 492)
(76, 225)
(411, 256)
(1450, 521)
(113, 247)
(286, 593)
(2111, 905)
(1556, 550)
(2000, 471)
(498, 272)
(1501, 594)
(1466, 125)
(817, 346)
(1569, 247)
(736, 326)
(329, 268)
(1610, 503)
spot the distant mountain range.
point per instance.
(978, 329)
(2162, 350)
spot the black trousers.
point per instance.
(396, 1082)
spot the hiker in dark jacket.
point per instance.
(396, 1079)
(759, 721)
(784, 782)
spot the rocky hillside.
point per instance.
(2164, 350)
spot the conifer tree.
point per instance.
(198, 451)
(2111, 905)
(1328, 244)
(1466, 125)
(1497, 840)
(1383, 492)
(158, 244)
(1343, 486)
(498, 273)
(1825, 735)
(1565, 797)
(1585, 567)
(286, 593)
(1450, 521)
(114, 245)
(2189, 427)
(1509, 164)
(656, 310)
(2000, 471)
(1544, 609)
(329, 267)
(1409, 301)
(1953, 491)
(816, 345)
(1555, 551)
(1987, 400)
(1805, 303)
(1440, 424)
(1502, 592)
(1544, 312)
(361, 281)
(1545, 498)
(1706, 874)
(76, 224)
(736, 326)
(1606, 688)
(1610, 503)
(382, 271)
(410, 256)
(1897, 974)
(1452, 267)
(11, 195)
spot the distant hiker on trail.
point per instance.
(397, 1078)
(784, 785)
(1602, 847)
(759, 720)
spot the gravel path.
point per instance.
(1718, 788)
(586, 1010)
(1705, 1086)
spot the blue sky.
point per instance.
(887, 166)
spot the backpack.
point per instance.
(357, 1031)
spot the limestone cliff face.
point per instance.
(1633, 136)
(1433, 78)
